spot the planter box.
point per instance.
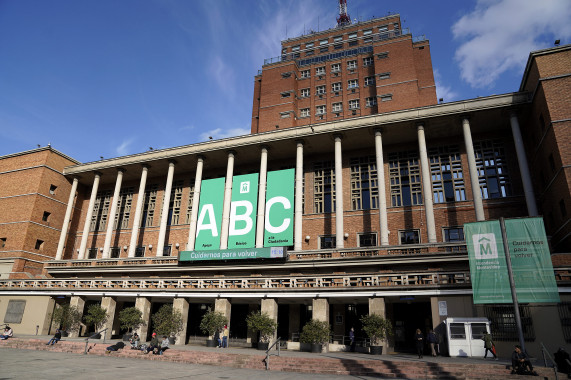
(376, 350)
(263, 346)
(211, 343)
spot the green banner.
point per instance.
(233, 254)
(278, 221)
(488, 269)
(531, 261)
(210, 214)
(242, 228)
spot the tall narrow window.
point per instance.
(492, 169)
(149, 205)
(123, 209)
(447, 176)
(364, 183)
(174, 203)
(404, 174)
(189, 205)
(100, 211)
(324, 187)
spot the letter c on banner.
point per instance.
(286, 222)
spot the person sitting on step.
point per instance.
(164, 345)
(55, 339)
(521, 363)
(134, 341)
(116, 347)
(7, 333)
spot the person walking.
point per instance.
(489, 345)
(419, 340)
(433, 341)
(352, 339)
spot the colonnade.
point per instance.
(298, 212)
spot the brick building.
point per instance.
(380, 200)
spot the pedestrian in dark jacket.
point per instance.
(419, 340)
(154, 345)
(488, 345)
(55, 339)
(520, 362)
(433, 341)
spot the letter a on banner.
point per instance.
(278, 221)
(210, 214)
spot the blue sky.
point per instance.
(108, 78)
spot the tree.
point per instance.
(167, 321)
(212, 321)
(131, 318)
(67, 317)
(258, 321)
(315, 332)
(96, 316)
(376, 327)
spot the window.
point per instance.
(124, 208)
(352, 64)
(284, 115)
(100, 211)
(409, 237)
(320, 110)
(286, 75)
(337, 107)
(335, 87)
(336, 67)
(337, 38)
(353, 83)
(39, 244)
(189, 204)
(2, 242)
(354, 104)
(383, 55)
(286, 94)
(309, 53)
(478, 330)
(309, 45)
(367, 61)
(384, 28)
(503, 322)
(337, 46)
(175, 201)
(353, 43)
(115, 252)
(457, 331)
(323, 187)
(295, 48)
(447, 176)
(305, 73)
(53, 189)
(562, 208)
(404, 175)
(492, 169)
(368, 240)
(149, 206)
(320, 70)
(367, 32)
(371, 101)
(364, 183)
(320, 90)
(167, 250)
(46, 216)
(453, 234)
(386, 97)
(304, 92)
(324, 49)
(296, 55)
(140, 252)
(327, 242)
(384, 75)
(92, 253)
(352, 35)
(14, 311)
(323, 42)
(304, 112)
(369, 81)
(368, 40)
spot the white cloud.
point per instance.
(499, 34)
(443, 91)
(220, 133)
(223, 75)
(123, 149)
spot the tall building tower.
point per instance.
(348, 71)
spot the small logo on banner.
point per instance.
(244, 187)
(485, 246)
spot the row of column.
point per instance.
(298, 211)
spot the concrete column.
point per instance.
(85, 235)
(138, 212)
(144, 304)
(227, 200)
(223, 305)
(262, 197)
(112, 212)
(523, 166)
(474, 180)
(383, 219)
(339, 238)
(294, 321)
(270, 307)
(426, 185)
(109, 304)
(195, 203)
(321, 309)
(298, 211)
(66, 220)
(165, 211)
(377, 306)
(181, 304)
(79, 303)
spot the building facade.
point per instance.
(378, 213)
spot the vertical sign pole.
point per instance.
(512, 284)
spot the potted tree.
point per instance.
(168, 321)
(67, 318)
(131, 319)
(377, 328)
(261, 322)
(315, 333)
(96, 316)
(212, 322)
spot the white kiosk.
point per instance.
(463, 336)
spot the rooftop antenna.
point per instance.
(343, 18)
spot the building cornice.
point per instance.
(37, 150)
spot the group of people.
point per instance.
(431, 339)
(156, 347)
(7, 333)
(521, 364)
(223, 337)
